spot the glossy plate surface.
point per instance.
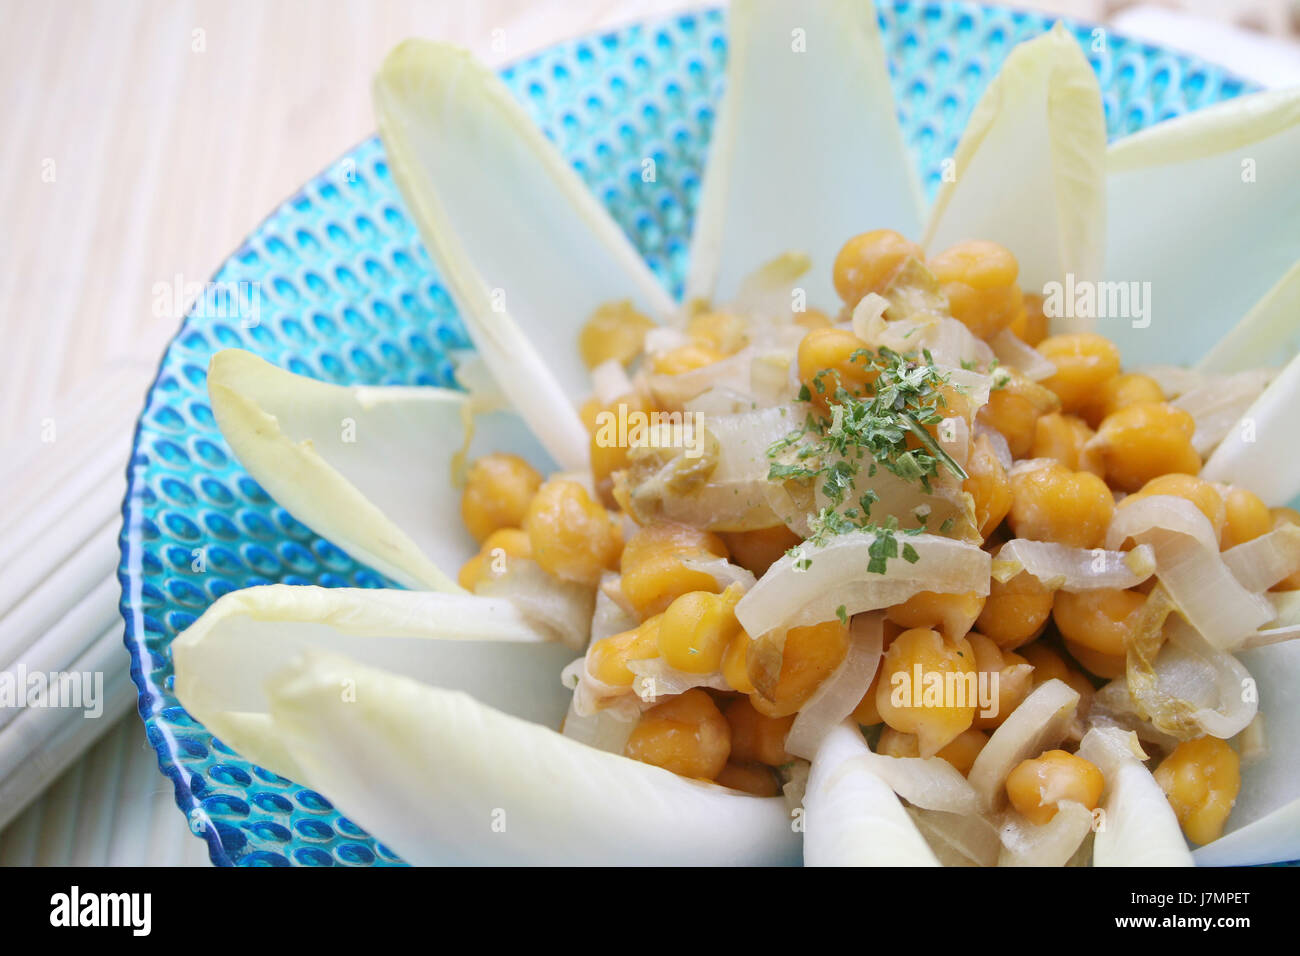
(336, 285)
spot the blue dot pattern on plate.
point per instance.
(348, 294)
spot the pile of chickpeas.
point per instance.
(1099, 438)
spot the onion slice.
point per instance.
(1190, 567)
(839, 694)
(1264, 561)
(563, 610)
(1014, 352)
(808, 586)
(958, 839)
(1058, 566)
(1049, 844)
(1041, 721)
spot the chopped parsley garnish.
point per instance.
(842, 613)
(903, 399)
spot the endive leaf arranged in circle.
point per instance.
(1205, 208)
(369, 468)
(526, 251)
(452, 780)
(1030, 167)
(807, 149)
(853, 818)
(481, 646)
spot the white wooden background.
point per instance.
(140, 140)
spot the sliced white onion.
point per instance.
(610, 382)
(1059, 566)
(839, 695)
(766, 294)
(664, 339)
(950, 343)
(1015, 353)
(851, 816)
(1175, 380)
(1207, 684)
(958, 839)
(721, 401)
(610, 617)
(721, 570)
(1219, 404)
(656, 679)
(1190, 567)
(999, 442)
(605, 730)
(1284, 625)
(1139, 827)
(931, 783)
(674, 391)
(561, 609)
(1262, 562)
(1252, 744)
(1049, 844)
(837, 575)
(1039, 723)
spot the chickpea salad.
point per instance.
(961, 541)
(919, 529)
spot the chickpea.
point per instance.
(987, 485)
(685, 358)
(1051, 503)
(1031, 327)
(1201, 779)
(697, 628)
(1280, 517)
(1097, 619)
(498, 490)
(1008, 672)
(723, 332)
(1105, 666)
(813, 319)
(1014, 410)
(654, 572)
(756, 737)
(979, 279)
(735, 664)
(1145, 441)
(1049, 665)
(686, 734)
(866, 713)
(572, 537)
(1125, 389)
(944, 705)
(1245, 518)
(1196, 490)
(893, 743)
(961, 753)
(756, 551)
(868, 262)
(608, 456)
(1038, 785)
(607, 659)
(830, 358)
(754, 779)
(951, 614)
(1015, 612)
(493, 558)
(811, 655)
(1084, 362)
(615, 330)
(1065, 438)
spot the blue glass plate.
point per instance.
(348, 294)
